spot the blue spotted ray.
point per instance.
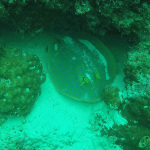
(80, 68)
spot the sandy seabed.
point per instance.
(57, 122)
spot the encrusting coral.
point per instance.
(20, 79)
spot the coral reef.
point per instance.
(99, 17)
(128, 136)
(138, 111)
(110, 96)
(20, 79)
(137, 73)
(128, 18)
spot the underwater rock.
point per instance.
(80, 67)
